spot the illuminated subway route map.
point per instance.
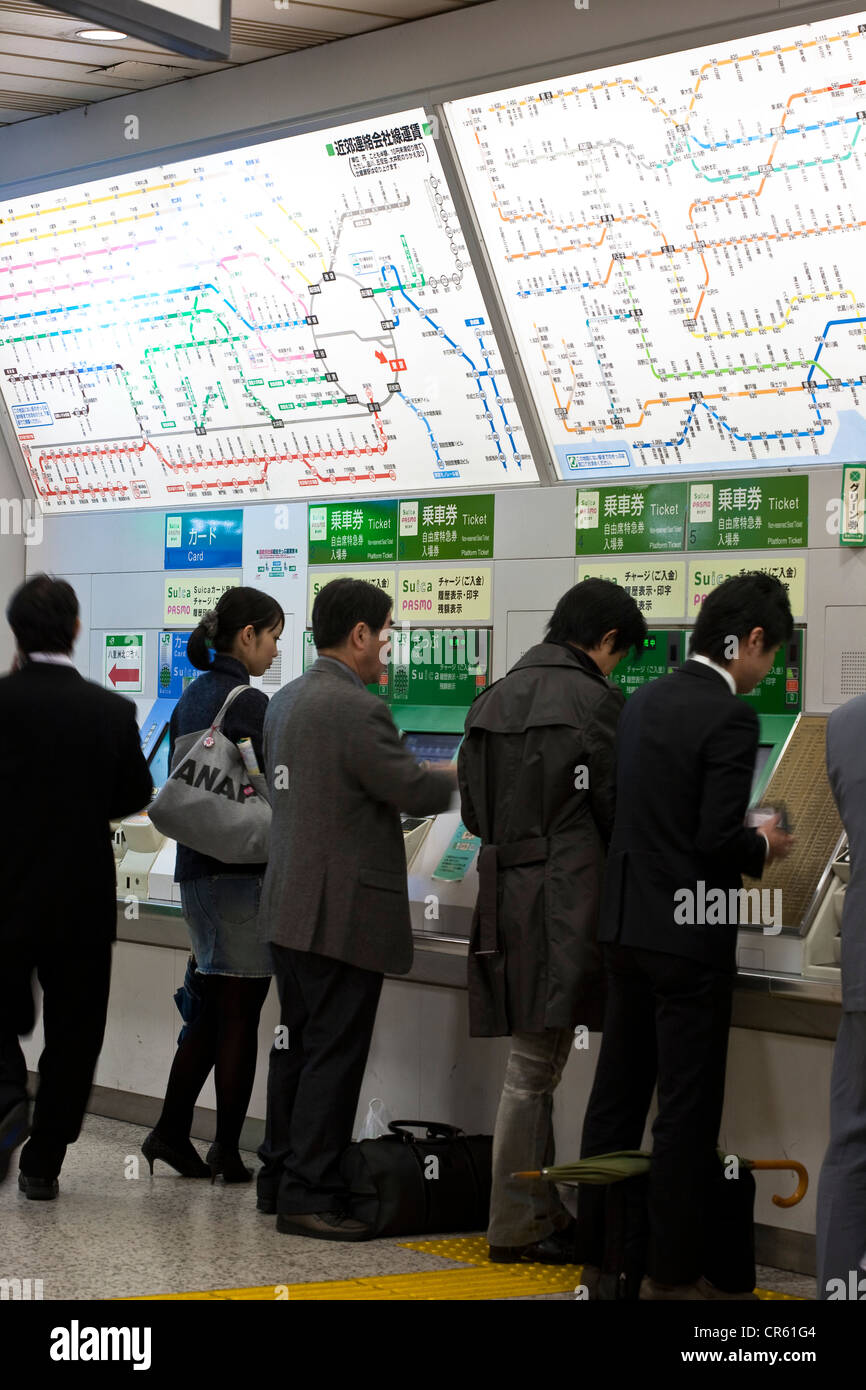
(679, 248)
(291, 317)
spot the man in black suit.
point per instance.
(71, 762)
(686, 751)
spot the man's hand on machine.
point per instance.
(449, 768)
(779, 840)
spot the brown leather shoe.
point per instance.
(323, 1225)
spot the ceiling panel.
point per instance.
(45, 68)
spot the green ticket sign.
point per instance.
(446, 528)
(631, 520)
(356, 534)
(430, 666)
(662, 653)
(434, 528)
(749, 514)
(781, 690)
(439, 666)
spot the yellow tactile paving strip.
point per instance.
(477, 1279)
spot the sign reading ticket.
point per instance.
(633, 520)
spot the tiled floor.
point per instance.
(115, 1232)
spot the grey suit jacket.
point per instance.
(336, 878)
(846, 768)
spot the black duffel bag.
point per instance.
(406, 1186)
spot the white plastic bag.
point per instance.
(376, 1121)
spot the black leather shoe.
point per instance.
(14, 1129)
(507, 1254)
(323, 1225)
(556, 1249)
(184, 1160)
(266, 1202)
(38, 1189)
(225, 1161)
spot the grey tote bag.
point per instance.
(210, 801)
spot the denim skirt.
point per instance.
(222, 912)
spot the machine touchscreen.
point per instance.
(439, 750)
(158, 760)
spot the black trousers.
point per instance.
(666, 1022)
(75, 977)
(329, 1009)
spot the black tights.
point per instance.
(225, 1037)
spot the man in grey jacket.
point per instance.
(335, 903)
(841, 1232)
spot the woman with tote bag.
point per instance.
(220, 899)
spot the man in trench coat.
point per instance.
(537, 784)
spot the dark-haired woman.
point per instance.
(236, 640)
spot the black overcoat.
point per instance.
(537, 783)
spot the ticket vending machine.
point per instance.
(441, 854)
(801, 896)
(437, 749)
(144, 857)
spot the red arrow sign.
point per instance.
(124, 673)
(380, 356)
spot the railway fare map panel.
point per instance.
(679, 247)
(294, 318)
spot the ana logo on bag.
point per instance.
(207, 778)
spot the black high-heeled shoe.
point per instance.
(221, 1159)
(184, 1161)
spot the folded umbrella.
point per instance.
(630, 1163)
